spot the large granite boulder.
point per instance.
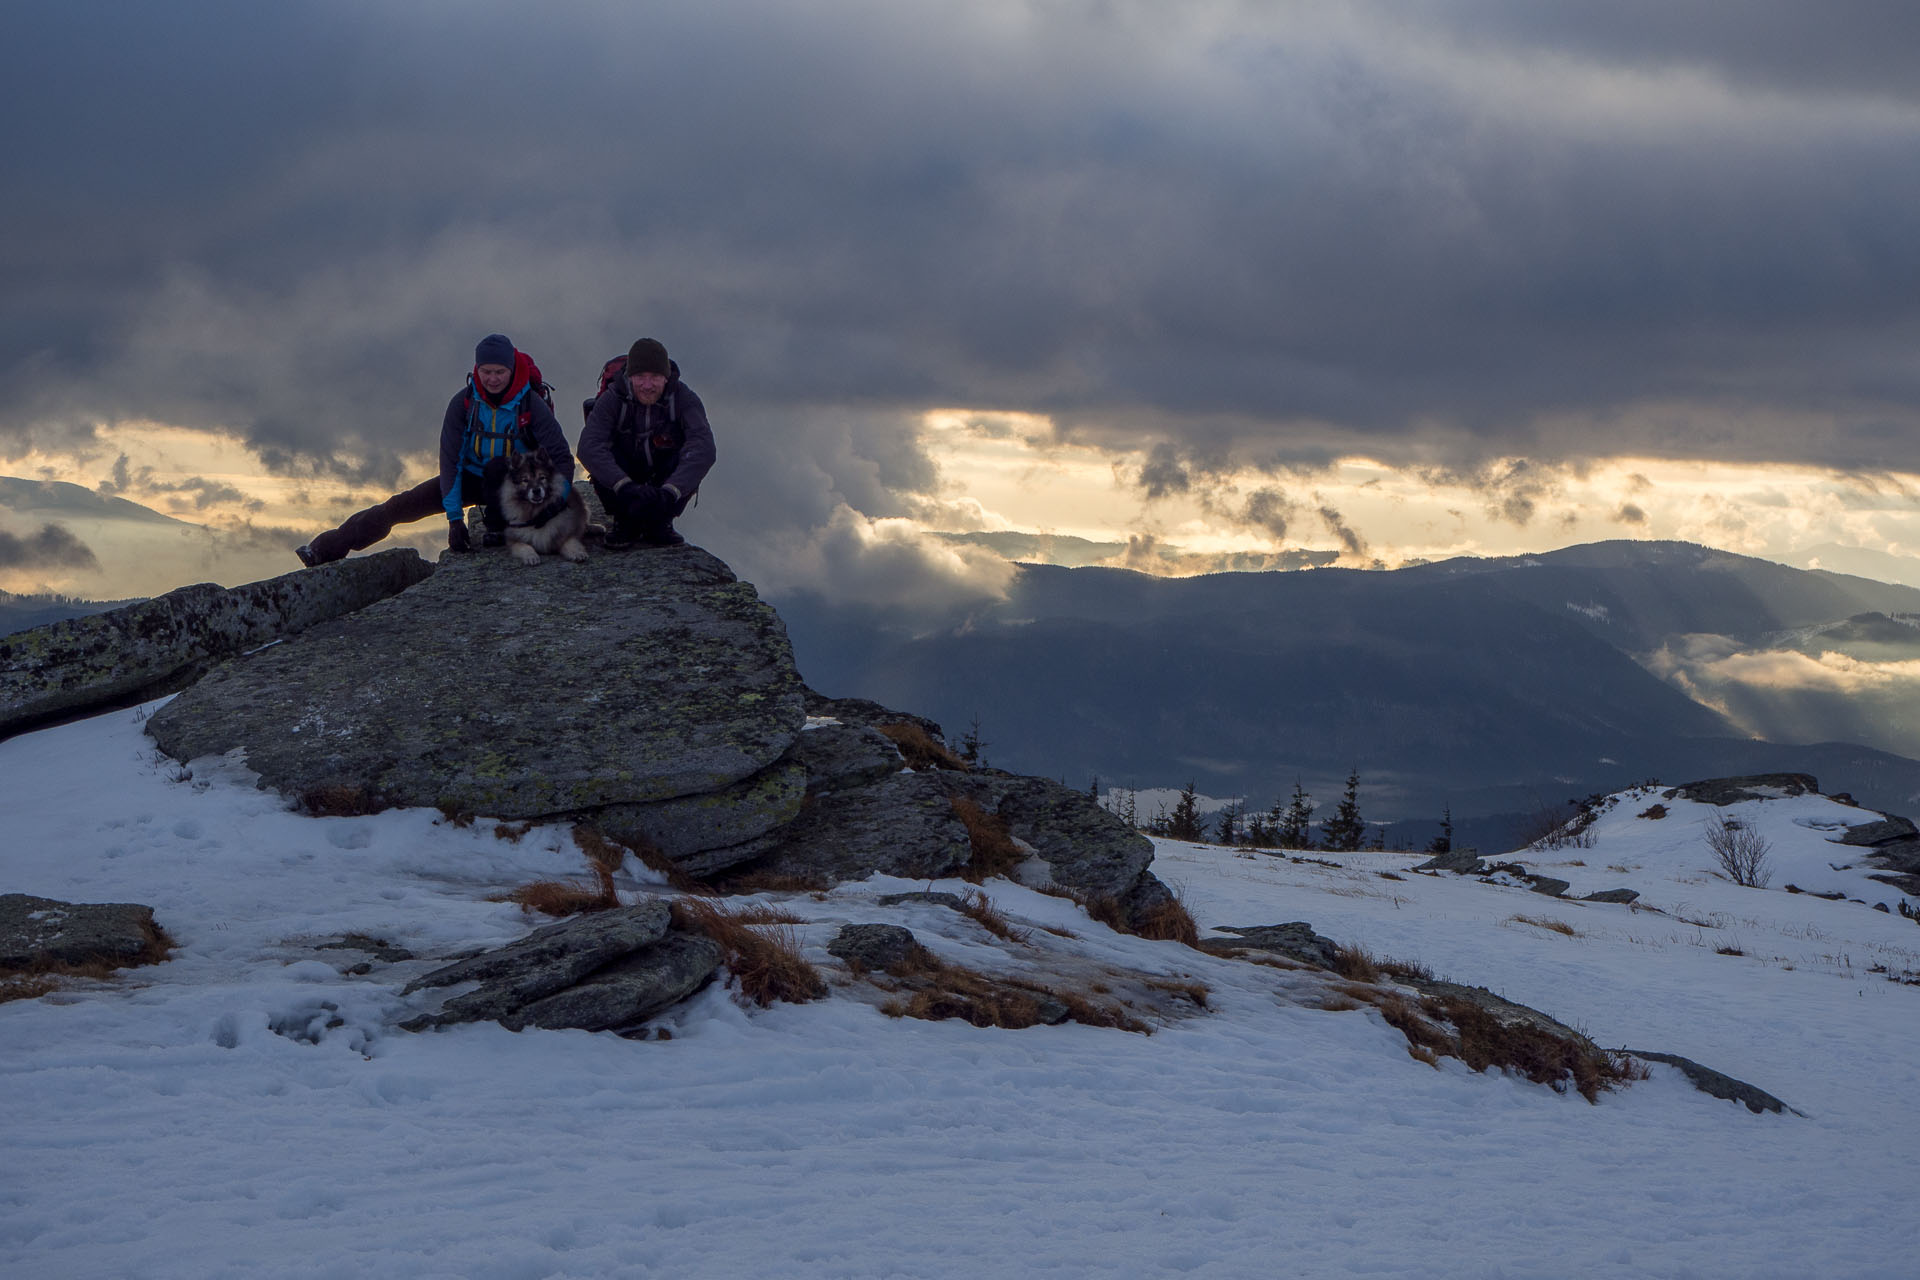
(517, 692)
(649, 693)
(153, 647)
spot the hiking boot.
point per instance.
(664, 536)
(619, 539)
(307, 557)
(493, 538)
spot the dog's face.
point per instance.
(531, 477)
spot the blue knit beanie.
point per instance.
(495, 348)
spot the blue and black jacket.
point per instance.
(479, 427)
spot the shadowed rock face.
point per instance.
(153, 647)
(516, 691)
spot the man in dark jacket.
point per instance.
(498, 413)
(647, 446)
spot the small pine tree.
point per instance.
(1263, 829)
(1443, 843)
(1344, 832)
(1184, 822)
(1296, 825)
(973, 748)
(1228, 830)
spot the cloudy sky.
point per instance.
(1205, 284)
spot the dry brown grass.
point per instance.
(1541, 922)
(603, 851)
(1168, 921)
(512, 832)
(979, 907)
(1542, 1057)
(935, 991)
(559, 897)
(37, 980)
(766, 960)
(1352, 961)
(919, 749)
(994, 852)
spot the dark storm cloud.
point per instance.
(53, 547)
(1452, 232)
(141, 483)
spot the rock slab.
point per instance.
(151, 648)
(515, 691)
(40, 932)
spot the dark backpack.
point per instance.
(610, 372)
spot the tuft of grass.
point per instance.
(919, 749)
(512, 832)
(1169, 921)
(766, 960)
(993, 851)
(980, 908)
(607, 855)
(339, 800)
(560, 897)
(1541, 922)
(1542, 1057)
(455, 817)
(1728, 949)
(1352, 961)
(1406, 970)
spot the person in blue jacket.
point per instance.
(501, 411)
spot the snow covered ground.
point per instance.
(203, 1118)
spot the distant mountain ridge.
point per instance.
(1488, 685)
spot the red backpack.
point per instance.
(610, 372)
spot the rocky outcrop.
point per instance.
(648, 693)
(1717, 1084)
(45, 933)
(608, 971)
(582, 690)
(154, 647)
(1756, 786)
(1297, 941)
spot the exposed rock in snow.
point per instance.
(152, 647)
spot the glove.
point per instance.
(548, 512)
(644, 504)
(457, 536)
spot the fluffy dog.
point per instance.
(537, 522)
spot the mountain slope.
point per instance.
(1487, 685)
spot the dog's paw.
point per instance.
(573, 549)
(525, 554)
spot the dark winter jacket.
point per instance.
(667, 443)
(477, 428)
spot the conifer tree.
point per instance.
(1296, 826)
(1228, 831)
(1443, 843)
(1344, 832)
(1184, 822)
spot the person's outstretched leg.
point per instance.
(364, 528)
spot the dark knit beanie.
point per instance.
(648, 356)
(495, 348)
